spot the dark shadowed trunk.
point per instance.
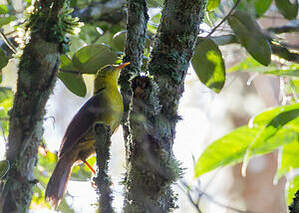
(36, 78)
(154, 98)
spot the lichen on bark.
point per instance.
(36, 78)
(151, 165)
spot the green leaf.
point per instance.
(3, 59)
(91, 58)
(256, 8)
(209, 65)
(76, 44)
(288, 160)
(286, 119)
(292, 187)
(248, 32)
(74, 82)
(212, 4)
(155, 3)
(251, 65)
(232, 148)
(227, 150)
(4, 167)
(281, 114)
(71, 76)
(287, 9)
(6, 20)
(119, 40)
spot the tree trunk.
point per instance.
(152, 115)
(36, 78)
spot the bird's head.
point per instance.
(109, 74)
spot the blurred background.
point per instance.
(205, 115)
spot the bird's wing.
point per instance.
(82, 122)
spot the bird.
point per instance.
(105, 106)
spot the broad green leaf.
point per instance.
(89, 33)
(285, 113)
(71, 76)
(91, 58)
(248, 32)
(212, 4)
(155, 3)
(232, 148)
(6, 20)
(106, 39)
(285, 119)
(76, 44)
(251, 65)
(74, 82)
(287, 9)
(288, 160)
(209, 65)
(256, 8)
(292, 187)
(227, 150)
(3, 59)
(119, 40)
(4, 167)
(67, 65)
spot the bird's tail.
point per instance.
(58, 181)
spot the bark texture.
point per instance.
(102, 180)
(152, 118)
(134, 49)
(36, 78)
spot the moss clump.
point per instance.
(56, 22)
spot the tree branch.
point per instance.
(134, 49)
(288, 28)
(36, 78)
(151, 167)
(102, 180)
(111, 11)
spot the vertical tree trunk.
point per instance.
(36, 78)
(152, 118)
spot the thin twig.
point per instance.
(225, 18)
(187, 190)
(8, 43)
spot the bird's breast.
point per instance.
(113, 116)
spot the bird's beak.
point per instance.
(122, 66)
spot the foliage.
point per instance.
(270, 130)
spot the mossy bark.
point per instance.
(36, 78)
(152, 118)
(102, 180)
(134, 49)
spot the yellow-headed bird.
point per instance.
(105, 106)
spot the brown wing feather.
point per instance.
(82, 122)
